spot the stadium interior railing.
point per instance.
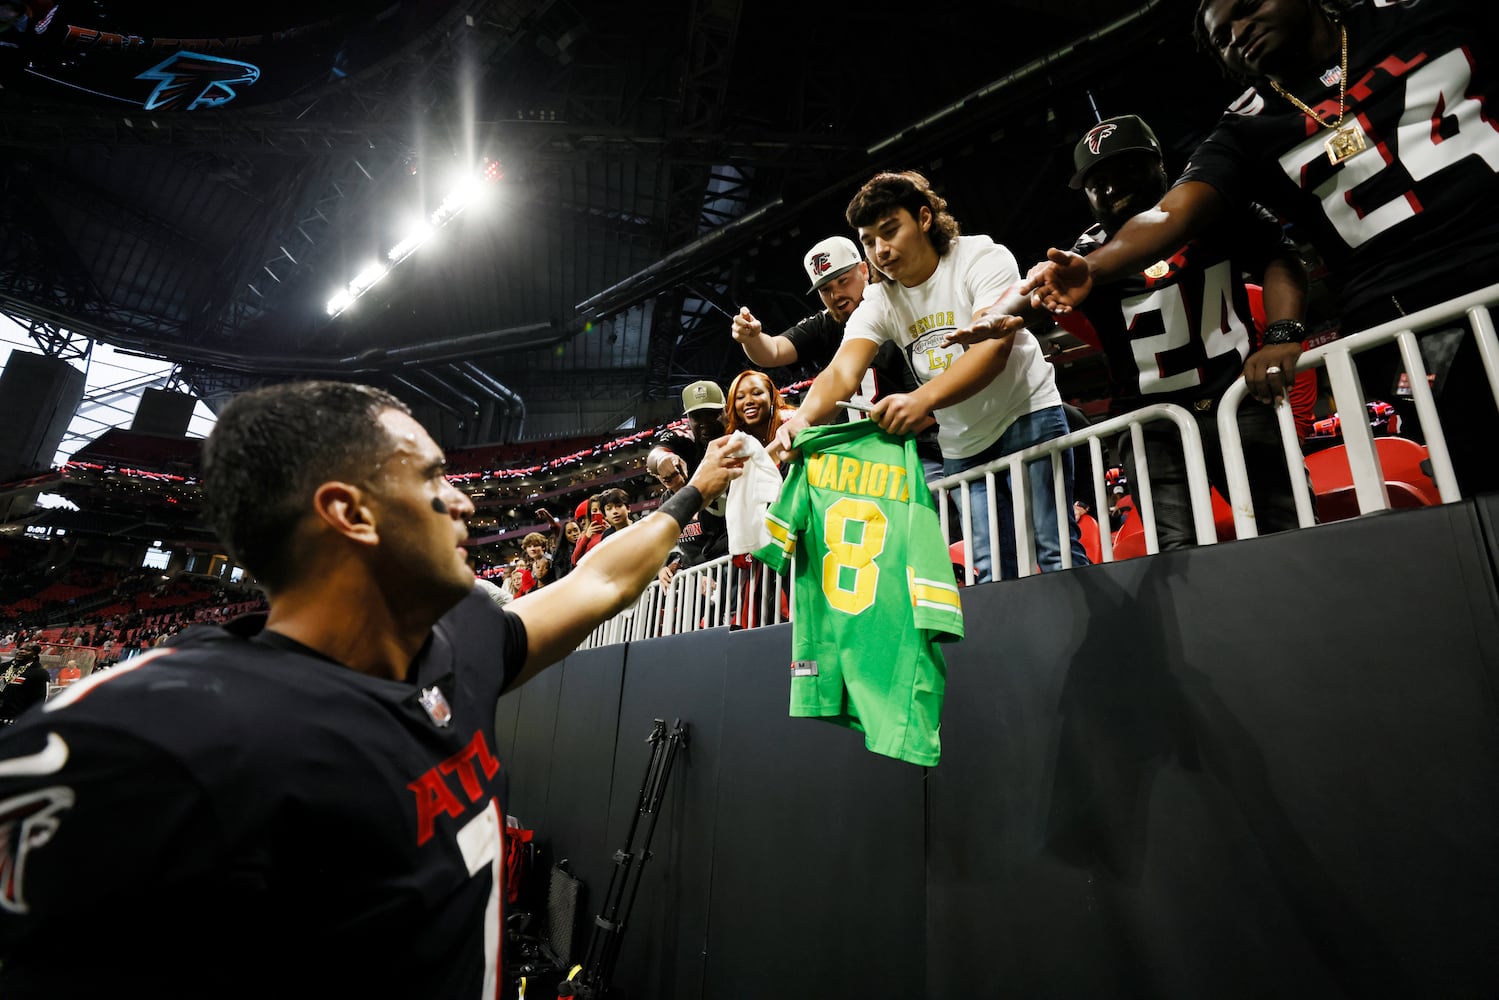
(738, 592)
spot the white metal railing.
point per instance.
(1363, 456)
(715, 594)
(718, 594)
(1096, 437)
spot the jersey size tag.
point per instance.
(437, 706)
(803, 668)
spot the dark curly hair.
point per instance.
(885, 192)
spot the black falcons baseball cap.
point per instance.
(1110, 137)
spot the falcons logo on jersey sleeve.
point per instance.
(30, 819)
(26, 821)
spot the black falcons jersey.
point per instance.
(1179, 331)
(227, 817)
(1423, 199)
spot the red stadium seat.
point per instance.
(955, 553)
(1087, 527)
(1400, 458)
(1223, 517)
(1129, 540)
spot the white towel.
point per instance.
(751, 495)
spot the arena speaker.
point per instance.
(38, 397)
(163, 412)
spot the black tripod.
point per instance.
(593, 981)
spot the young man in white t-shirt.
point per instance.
(993, 399)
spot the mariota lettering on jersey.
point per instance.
(435, 797)
(843, 474)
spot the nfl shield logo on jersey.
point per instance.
(437, 706)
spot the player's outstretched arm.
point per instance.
(612, 576)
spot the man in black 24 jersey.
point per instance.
(1182, 330)
(1373, 128)
(309, 803)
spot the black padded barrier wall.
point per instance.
(1267, 768)
(530, 761)
(665, 946)
(818, 860)
(582, 761)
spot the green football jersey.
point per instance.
(874, 590)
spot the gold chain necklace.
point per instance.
(1344, 142)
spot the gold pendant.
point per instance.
(1158, 270)
(1345, 143)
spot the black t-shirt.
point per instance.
(817, 339)
(1421, 204)
(1180, 330)
(231, 817)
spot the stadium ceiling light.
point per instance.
(468, 190)
(372, 273)
(340, 302)
(409, 243)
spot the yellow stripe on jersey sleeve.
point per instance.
(780, 534)
(935, 594)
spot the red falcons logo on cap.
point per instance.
(1097, 134)
(820, 263)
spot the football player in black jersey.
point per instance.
(1372, 127)
(1183, 329)
(307, 803)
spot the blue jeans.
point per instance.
(1033, 428)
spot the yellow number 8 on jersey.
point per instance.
(854, 532)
